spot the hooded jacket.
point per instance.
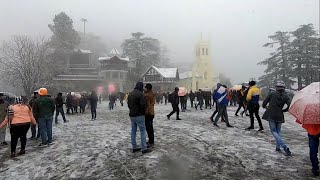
(253, 95)
(136, 101)
(276, 101)
(220, 96)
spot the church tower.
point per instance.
(202, 71)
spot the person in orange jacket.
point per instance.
(19, 118)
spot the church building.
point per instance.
(202, 75)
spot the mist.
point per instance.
(236, 29)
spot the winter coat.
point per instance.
(59, 102)
(69, 100)
(136, 102)
(75, 101)
(241, 96)
(93, 99)
(43, 107)
(83, 102)
(22, 114)
(175, 98)
(192, 96)
(3, 109)
(276, 101)
(150, 99)
(221, 97)
(253, 95)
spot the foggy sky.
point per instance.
(237, 29)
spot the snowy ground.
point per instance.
(187, 149)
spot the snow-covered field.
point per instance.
(188, 149)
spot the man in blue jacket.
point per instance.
(221, 97)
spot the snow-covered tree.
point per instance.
(24, 63)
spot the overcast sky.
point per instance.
(237, 29)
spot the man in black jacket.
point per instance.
(174, 100)
(192, 97)
(59, 108)
(137, 107)
(93, 99)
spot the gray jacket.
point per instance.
(276, 101)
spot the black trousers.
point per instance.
(241, 105)
(254, 110)
(69, 108)
(149, 128)
(82, 109)
(175, 109)
(215, 112)
(19, 131)
(191, 101)
(94, 111)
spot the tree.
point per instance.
(64, 38)
(305, 54)
(143, 51)
(24, 63)
(277, 64)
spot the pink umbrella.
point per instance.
(182, 91)
(305, 105)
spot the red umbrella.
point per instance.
(182, 91)
(305, 105)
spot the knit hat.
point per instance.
(18, 100)
(252, 83)
(43, 92)
(139, 86)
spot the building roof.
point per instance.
(165, 72)
(188, 74)
(83, 51)
(114, 52)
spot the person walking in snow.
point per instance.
(19, 118)
(69, 101)
(241, 97)
(150, 100)
(83, 103)
(137, 110)
(222, 103)
(174, 100)
(34, 133)
(192, 97)
(3, 110)
(43, 109)
(93, 99)
(59, 108)
(253, 105)
(274, 113)
(199, 99)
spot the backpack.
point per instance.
(170, 98)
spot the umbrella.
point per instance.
(237, 87)
(305, 105)
(182, 91)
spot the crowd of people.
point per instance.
(39, 112)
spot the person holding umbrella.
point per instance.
(274, 113)
(305, 108)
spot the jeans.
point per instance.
(275, 128)
(61, 111)
(149, 128)
(254, 110)
(222, 112)
(46, 129)
(19, 131)
(94, 111)
(313, 146)
(138, 121)
(175, 109)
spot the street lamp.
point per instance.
(84, 29)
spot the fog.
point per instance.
(236, 29)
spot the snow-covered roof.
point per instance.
(83, 51)
(114, 52)
(165, 72)
(107, 58)
(188, 74)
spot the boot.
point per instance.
(249, 128)
(21, 152)
(13, 154)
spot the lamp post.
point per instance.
(84, 30)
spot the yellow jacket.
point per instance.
(253, 95)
